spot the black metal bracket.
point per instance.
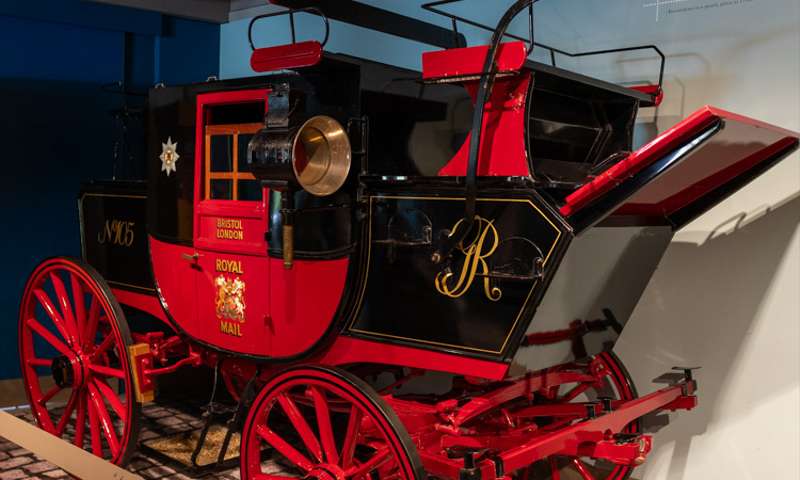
(688, 374)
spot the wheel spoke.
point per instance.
(51, 311)
(49, 337)
(66, 307)
(112, 397)
(577, 390)
(80, 306)
(324, 424)
(107, 343)
(80, 418)
(94, 427)
(351, 437)
(65, 417)
(301, 425)
(106, 371)
(106, 424)
(582, 469)
(284, 448)
(555, 472)
(90, 329)
(39, 362)
(379, 458)
(49, 395)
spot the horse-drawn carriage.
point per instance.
(325, 235)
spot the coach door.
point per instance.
(232, 270)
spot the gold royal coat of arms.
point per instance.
(230, 298)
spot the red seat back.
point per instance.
(282, 57)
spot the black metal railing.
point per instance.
(290, 13)
(434, 8)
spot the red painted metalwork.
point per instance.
(72, 329)
(740, 146)
(503, 149)
(654, 91)
(146, 303)
(283, 57)
(502, 420)
(468, 62)
(349, 350)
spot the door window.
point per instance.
(227, 174)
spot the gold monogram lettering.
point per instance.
(117, 232)
(475, 253)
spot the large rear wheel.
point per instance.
(73, 345)
(326, 424)
(613, 383)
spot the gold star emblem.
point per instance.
(169, 156)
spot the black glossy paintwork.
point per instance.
(605, 205)
(576, 130)
(400, 301)
(121, 260)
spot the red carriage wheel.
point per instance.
(327, 424)
(614, 383)
(73, 345)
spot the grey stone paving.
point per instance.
(157, 420)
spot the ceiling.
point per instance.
(217, 11)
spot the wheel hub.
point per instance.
(67, 372)
(62, 372)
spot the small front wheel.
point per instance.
(73, 346)
(327, 424)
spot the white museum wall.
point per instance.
(726, 295)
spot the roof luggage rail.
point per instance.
(380, 20)
(308, 53)
(654, 91)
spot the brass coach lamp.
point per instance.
(315, 156)
(321, 156)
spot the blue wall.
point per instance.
(55, 126)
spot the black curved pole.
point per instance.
(449, 242)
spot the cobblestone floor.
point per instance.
(157, 420)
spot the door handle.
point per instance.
(191, 258)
